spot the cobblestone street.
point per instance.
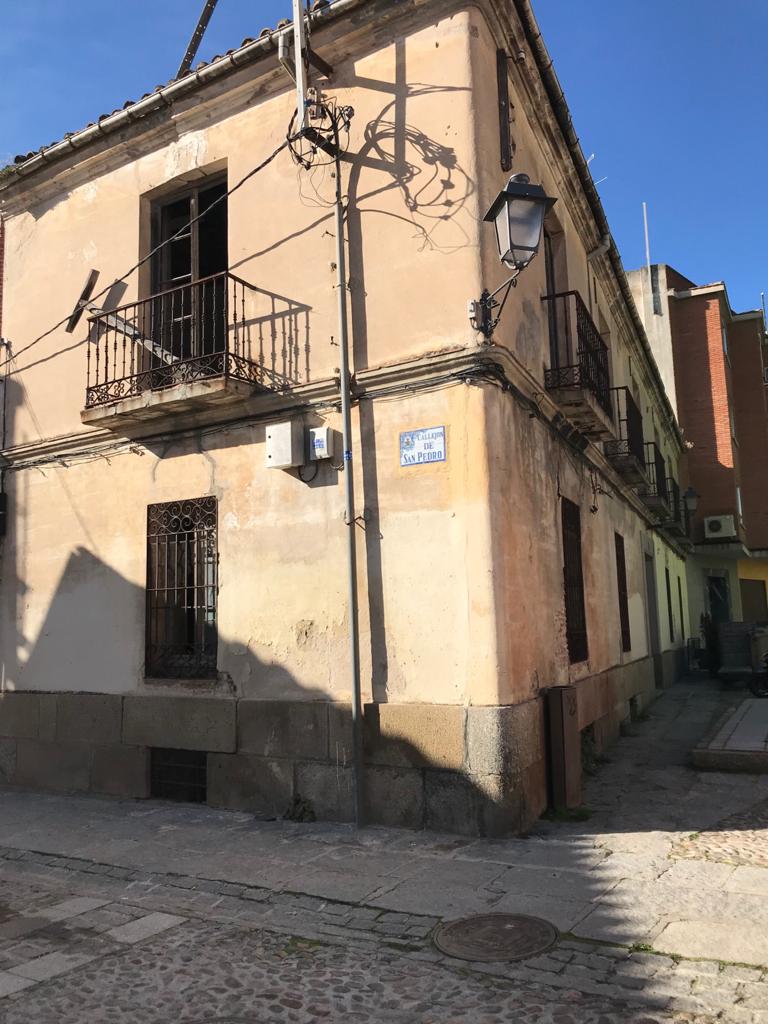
(149, 912)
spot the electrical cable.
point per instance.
(286, 143)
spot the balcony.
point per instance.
(655, 493)
(579, 378)
(678, 524)
(189, 349)
(627, 452)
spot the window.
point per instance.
(669, 607)
(732, 421)
(189, 317)
(680, 602)
(573, 584)
(739, 504)
(725, 344)
(505, 135)
(621, 578)
(182, 564)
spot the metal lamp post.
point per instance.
(517, 213)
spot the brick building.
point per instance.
(714, 362)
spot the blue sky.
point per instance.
(670, 97)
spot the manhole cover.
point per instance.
(489, 937)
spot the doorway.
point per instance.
(718, 599)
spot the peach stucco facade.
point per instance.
(460, 562)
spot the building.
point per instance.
(175, 616)
(714, 364)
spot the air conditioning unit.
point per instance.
(720, 527)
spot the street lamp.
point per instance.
(691, 499)
(518, 213)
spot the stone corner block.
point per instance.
(180, 723)
(503, 740)
(415, 735)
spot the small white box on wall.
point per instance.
(320, 443)
(285, 445)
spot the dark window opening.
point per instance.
(573, 584)
(621, 577)
(680, 602)
(505, 134)
(182, 570)
(179, 775)
(189, 316)
(669, 607)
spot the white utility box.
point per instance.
(285, 444)
(320, 443)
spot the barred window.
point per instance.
(182, 569)
(573, 584)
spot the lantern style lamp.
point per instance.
(691, 499)
(517, 213)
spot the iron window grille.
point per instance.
(182, 584)
(621, 577)
(573, 584)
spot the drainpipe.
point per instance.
(349, 496)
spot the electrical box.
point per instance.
(285, 445)
(321, 443)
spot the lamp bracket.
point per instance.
(481, 311)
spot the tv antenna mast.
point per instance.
(197, 36)
(119, 323)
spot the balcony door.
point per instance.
(189, 305)
(557, 313)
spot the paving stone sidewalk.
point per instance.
(651, 927)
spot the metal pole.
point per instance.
(299, 50)
(647, 248)
(197, 36)
(349, 496)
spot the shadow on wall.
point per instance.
(77, 715)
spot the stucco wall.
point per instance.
(74, 564)
(412, 231)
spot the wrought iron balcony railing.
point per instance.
(579, 354)
(627, 451)
(190, 333)
(679, 519)
(656, 493)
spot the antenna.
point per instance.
(112, 320)
(197, 35)
(647, 246)
(301, 65)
